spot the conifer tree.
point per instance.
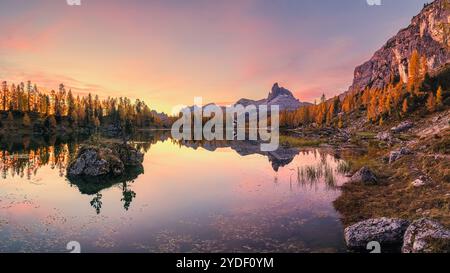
(414, 72)
(431, 103)
(439, 97)
(405, 106)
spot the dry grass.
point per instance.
(395, 197)
(290, 141)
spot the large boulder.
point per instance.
(386, 231)
(426, 236)
(364, 175)
(93, 161)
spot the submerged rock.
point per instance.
(385, 231)
(92, 161)
(426, 236)
(364, 175)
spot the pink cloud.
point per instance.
(168, 53)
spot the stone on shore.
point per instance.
(396, 155)
(364, 175)
(426, 236)
(404, 126)
(386, 231)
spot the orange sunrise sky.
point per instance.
(168, 52)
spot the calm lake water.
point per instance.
(190, 197)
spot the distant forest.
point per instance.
(24, 105)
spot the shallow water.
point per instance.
(209, 197)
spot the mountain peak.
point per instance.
(279, 96)
(278, 91)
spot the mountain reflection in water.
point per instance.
(199, 196)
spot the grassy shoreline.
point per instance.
(292, 141)
(395, 196)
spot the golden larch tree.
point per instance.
(431, 103)
(405, 106)
(439, 96)
(414, 72)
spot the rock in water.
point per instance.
(426, 236)
(385, 231)
(99, 161)
(128, 154)
(89, 162)
(364, 175)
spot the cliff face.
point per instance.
(427, 33)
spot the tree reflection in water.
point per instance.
(96, 202)
(24, 156)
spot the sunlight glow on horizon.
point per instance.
(168, 52)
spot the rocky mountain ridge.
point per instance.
(428, 33)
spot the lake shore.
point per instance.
(414, 185)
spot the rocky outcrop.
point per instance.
(426, 236)
(385, 231)
(129, 155)
(396, 155)
(425, 33)
(93, 161)
(364, 175)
